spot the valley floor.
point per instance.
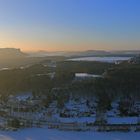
(51, 134)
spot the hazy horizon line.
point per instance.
(45, 50)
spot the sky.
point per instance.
(70, 25)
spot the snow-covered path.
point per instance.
(45, 134)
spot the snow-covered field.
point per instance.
(50, 134)
(101, 59)
(86, 75)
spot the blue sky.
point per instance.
(70, 24)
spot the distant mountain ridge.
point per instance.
(15, 53)
(85, 53)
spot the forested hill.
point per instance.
(117, 80)
(11, 53)
(10, 57)
(13, 58)
(123, 80)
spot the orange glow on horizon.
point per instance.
(30, 46)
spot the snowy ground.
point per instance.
(51, 134)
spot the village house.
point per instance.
(73, 126)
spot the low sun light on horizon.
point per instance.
(70, 25)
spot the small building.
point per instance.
(101, 117)
(53, 125)
(73, 126)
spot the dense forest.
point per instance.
(120, 80)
